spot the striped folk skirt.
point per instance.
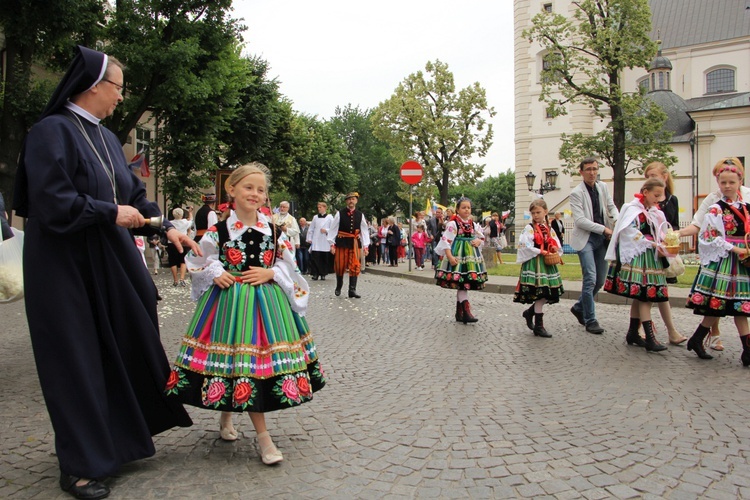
(538, 281)
(640, 279)
(469, 273)
(246, 350)
(722, 288)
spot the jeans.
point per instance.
(383, 254)
(594, 270)
(303, 260)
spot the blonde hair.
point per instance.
(243, 171)
(661, 170)
(539, 202)
(177, 213)
(652, 183)
(725, 163)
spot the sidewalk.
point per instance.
(507, 284)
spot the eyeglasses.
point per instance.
(120, 88)
(591, 169)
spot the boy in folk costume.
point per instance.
(636, 270)
(539, 283)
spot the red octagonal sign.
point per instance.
(411, 172)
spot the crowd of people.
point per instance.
(105, 377)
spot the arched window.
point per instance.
(720, 80)
(643, 83)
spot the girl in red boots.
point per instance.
(722, 287)
(462, 266)
(635, 269)
(539, 283)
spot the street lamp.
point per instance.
(549, 184)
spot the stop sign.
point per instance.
(411, 172)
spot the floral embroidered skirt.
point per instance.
(469, 273)
(538, 281)
(641, 279)
(721, 289)
(246, 350)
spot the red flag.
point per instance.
(140, 162)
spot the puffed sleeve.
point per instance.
(712, 244)
(526, 248)
(478, 232)
(446, 240)
(203, 269)
(631, 242)
(288, 277)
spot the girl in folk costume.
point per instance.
(462, 266)
(539, 282)
(635, 269)
(248, 346)
(722, 286)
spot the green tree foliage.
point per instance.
(587, 54)
(372, 161)
(43, 33)
(493, 194)
(321, 170)
(440, 128)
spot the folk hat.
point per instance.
(208, 198)
(353, 194)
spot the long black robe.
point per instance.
(91, 304)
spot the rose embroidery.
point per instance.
(633, 289)
(238, 225)
(714, 210)
(174, 377)
(697, 298)
(213, 392)
(267, 258)
(745, 308)
(303, 385)
(714, 303)
(651, 292)
(234, 256)
(243, 391)
(621, 287)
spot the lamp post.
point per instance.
(549, 184)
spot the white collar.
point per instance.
(82, 113)
(237, 228)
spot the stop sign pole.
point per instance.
(411, 173)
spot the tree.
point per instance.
(373, 162)
(494, 194)
(321, 171)
(428, 121)
(35, 32)
(586, 55)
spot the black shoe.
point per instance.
(528, 315)
(89, 491)
(353, 294)
(337, 292)
(322, 278)
(594, 328)
(315, 278)
(578, 314)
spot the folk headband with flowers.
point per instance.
(729, 166)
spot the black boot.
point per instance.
(528, 315)
(468, 317)
(745, 358)
(632, 337)
(651, 343)
(353, 288)
(696, 342)
(339, 284)
(459, 311)
(539, 329)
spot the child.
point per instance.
(635, 269)
(248, 346)
(722, 287)
(539, 282)
(462, 266)
(419, 241)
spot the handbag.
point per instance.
(11, 267)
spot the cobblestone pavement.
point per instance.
(419, 406)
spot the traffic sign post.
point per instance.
(411, 173)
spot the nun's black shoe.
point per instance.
(92, 490)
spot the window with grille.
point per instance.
(547, 7)
(720, 80)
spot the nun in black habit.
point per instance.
(90, 301)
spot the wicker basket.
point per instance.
(552, 259)
(672, 251)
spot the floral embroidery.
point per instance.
(697, 298)
(176, 381)
(238, 225)
(286, 388)
(243, 393)
(651, 292)
(260, 224)
(214, 392)
(303, 384)
(234, 255)
(212, 229)
(267, 258)
(715, 303)
(298, 292)
(714, 210)
(742, 306)
(729, 223)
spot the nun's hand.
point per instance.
(129, 217)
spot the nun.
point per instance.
(90, 301)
